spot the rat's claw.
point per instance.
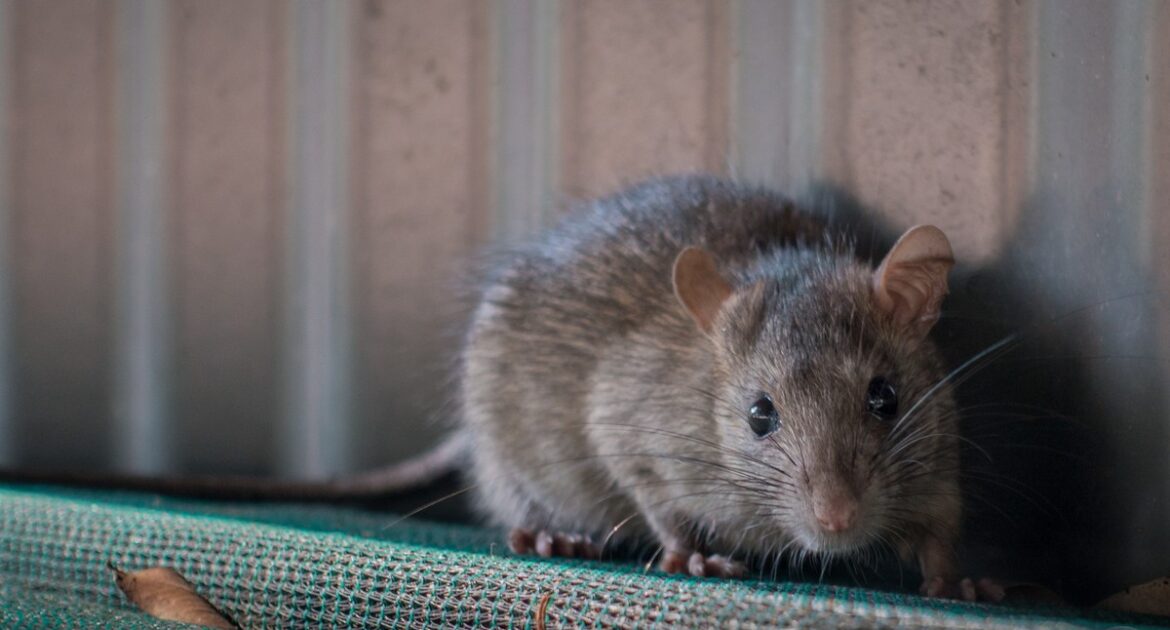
(967, 589)
(575, 546)
(544, 544)
(699, 565)
(673, 562)
(722, 566)
(989, 590)
(547, 545)
(521, 541)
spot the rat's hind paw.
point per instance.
(983, 590)
(547, 545)
(699, 565)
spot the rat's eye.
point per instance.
(882, 399)
(762, 417)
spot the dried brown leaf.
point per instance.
(541, 611)
(1151, 598)
(164, 593)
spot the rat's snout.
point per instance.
(835, 508)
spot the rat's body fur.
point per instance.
(595, 406)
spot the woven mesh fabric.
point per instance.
(299, 566)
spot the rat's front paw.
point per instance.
(549, 544)
(966, 589)
(699, 565)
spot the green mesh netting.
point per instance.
(305, 566)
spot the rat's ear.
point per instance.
(699, 287)
(911, 282)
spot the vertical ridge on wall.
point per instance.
(1017, 112)
(62, 277)
(820, 98)
(142, 388)
(7, 450)
(526, 116)
(1158, 183)
(718, 40)
(228, 161)
(317, 318)
(787, 93)
(1131, 131)
(761, 85)
(1131, 124)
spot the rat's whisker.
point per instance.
(984, 356)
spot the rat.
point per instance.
(699, 364)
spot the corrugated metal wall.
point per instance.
(231, 227)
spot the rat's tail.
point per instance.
(444, 459)
(390, 484)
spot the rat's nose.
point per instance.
(835, 514)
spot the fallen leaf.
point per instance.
(1151, 598)
(541, 610)
(163, 593)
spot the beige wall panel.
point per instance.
(228, 92)
(924, 131)
(645, 91)
(61, 256)
(419, 147)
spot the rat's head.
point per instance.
(832, 427)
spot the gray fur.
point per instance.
(591, 399)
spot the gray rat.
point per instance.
(696, 363)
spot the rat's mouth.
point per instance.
(832, 547)
(818, 540)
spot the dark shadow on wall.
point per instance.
(1066, 427)
(1077, 437)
